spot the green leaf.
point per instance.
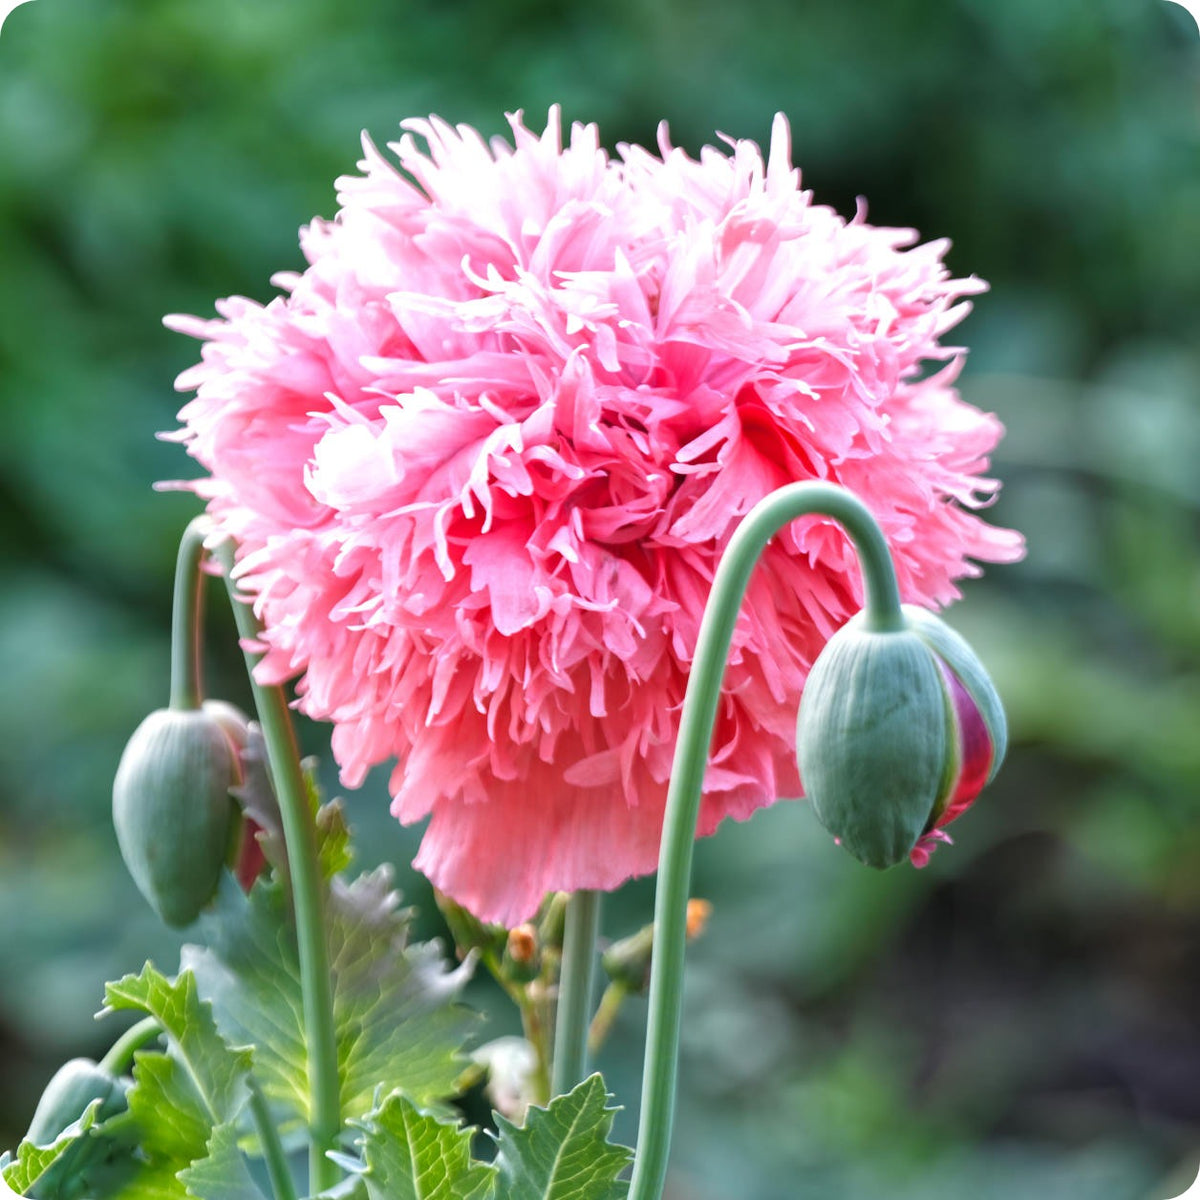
(179, 1096)
(563, 1152)
(33, 1162)
(169, 1110)
(145, 1181)
(334, 852)
(397, 1022)
(218, 1072)
(250, 974)
(411, 1155)
(223, 1174)
(352, 1187)
(398, 1018)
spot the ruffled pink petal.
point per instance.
(975, 751)
(482, 457)
(922, 852)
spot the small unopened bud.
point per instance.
(898, 732)
(698, 912)
(627, 962)
(75, 1085)
(522, 944)
(173, 812)
(468, 931)
(552, 925)
(522, 955)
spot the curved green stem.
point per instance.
(186, 615)
(120, 1054)
(687, 779)
(273, 1153)
(300, 836)
(575, 989)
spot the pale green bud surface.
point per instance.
(74, 1086)
(872, 740)
(173, 812)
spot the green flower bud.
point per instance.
(627, 961)
(522, 961)
(898, 732)
(468, 931)
(74, 1086)
(173, 812)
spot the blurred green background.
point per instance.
(1023, 1018)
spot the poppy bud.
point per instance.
(522, 961)
(468, 932)
(75, 1085)
(898, 732)
(698, 913)
(627, 962)
(172, 809)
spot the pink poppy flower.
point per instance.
(483, 454)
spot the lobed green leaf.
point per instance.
(33, 1162)
(222, 1174)
(412, 1155)
(398, 1023)
(563, 1152)
(217, 1071)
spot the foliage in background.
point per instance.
(1021, 1015)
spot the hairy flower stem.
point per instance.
(273, 1152)
(575, 991)
(186, 616)
(531, 1003)
(536, 1028)
(687, 779)
(300, 836)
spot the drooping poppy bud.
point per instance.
(898, 732)
(75, 1085)
(173, 811)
